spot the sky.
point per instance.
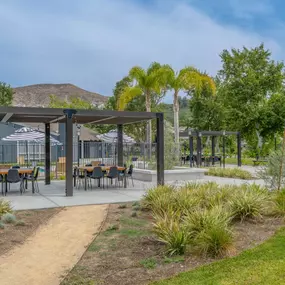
(94, 43)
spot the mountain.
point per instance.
(38, 95)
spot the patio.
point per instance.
(69, 117)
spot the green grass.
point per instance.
(229, 172)
(133, 233)
(244, 161)
(262, 265)
(133, 222)
(148, 263)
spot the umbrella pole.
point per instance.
(27, 151)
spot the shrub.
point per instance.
(170, 232)
(2, 226)
(271, 172)
(230, 172)
(278, 198)
(134, 214)
(5, 207)
(159, 200)
(20, 223)
(249, 202)
(201, 219)
(214, 240)
(8, 218)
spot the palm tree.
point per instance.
(187, 79)
(145, 82)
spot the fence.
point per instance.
(28, 154)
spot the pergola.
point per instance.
(190, 134)
(48, 116)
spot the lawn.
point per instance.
(244, 161)
(264, 264)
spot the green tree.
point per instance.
(247, 81)
(73, 103)
(6, 94)
(149, 83)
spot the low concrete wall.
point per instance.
(182, 174)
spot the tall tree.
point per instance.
(247, 80)
(6, 94)
(189, 79)
(150, 83)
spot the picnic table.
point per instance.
(86, 169)
(22, 171)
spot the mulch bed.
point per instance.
(126, 250)
(14, 234)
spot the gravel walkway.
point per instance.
(54, 249)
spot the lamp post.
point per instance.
(78, 144)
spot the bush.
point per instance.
(229, 172)
(8, 218)
(201, 219)
(5, 207)
(214, 240)
(20, 223)
(2, 226)
(278, 198)
(271, 172)
(159, 199)
(249, 202)
(170, 232)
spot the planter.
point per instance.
(181, 174)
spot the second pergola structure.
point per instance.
(48, 116)
(191, 134)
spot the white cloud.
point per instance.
(94, 45)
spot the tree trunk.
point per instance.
(176, 123)
(148, 127)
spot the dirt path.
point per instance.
(54, 249)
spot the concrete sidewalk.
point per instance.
(53, 195)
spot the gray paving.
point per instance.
(53, 195)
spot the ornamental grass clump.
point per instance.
(230, 172)
(250, 201)
(5, 207)
(171, 232)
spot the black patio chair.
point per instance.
(98, 174)
(2, 181)
(112, 174)
(34, 178)
(14, 177)
(79, 176)
(129, 174)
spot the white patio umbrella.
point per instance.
(29, 135)
(112, 136)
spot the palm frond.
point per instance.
(127, 95)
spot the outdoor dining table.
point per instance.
(22, 171)
(89, 169)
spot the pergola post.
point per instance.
(199, 149)
(239, 148)
(191, 150)
(47, 153)
(213, 149)
(224, 150)
(160, 148)
(69, 152)
(120, 145)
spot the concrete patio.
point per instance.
(53, 195)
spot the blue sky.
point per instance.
(93, 43)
